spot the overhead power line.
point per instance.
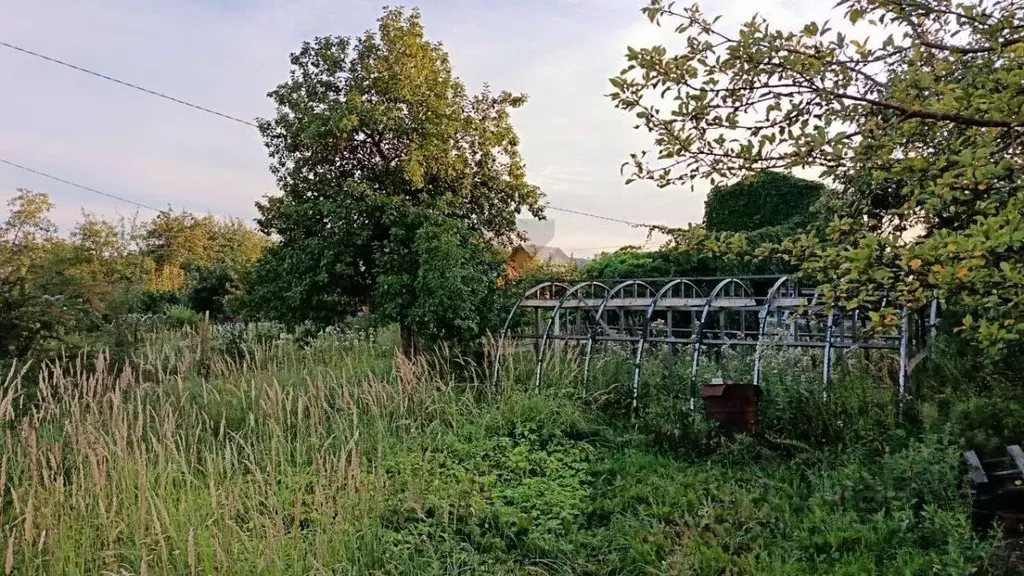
(147, 207)
(600, 217)
(614, 247)
(77, 185)
(227, 117)
(127, 84)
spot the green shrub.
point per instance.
(182, 316)
(210, 289)
(157, 301)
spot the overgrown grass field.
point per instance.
(214, 454)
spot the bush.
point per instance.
(181, 316)
(210, 288)
(158, 301)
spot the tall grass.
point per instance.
(200, 457)
(156, 469)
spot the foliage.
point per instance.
(675, 260)
(766, 200)
(448, 291)
(59, 295)
(32, 321)
(179, 241)
(211, 288)
(518, 281)
(101, 265)
(917, 100)
(182, 316)
(154, 302)
(353, 460)
(372, 135)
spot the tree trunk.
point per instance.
(408, 340)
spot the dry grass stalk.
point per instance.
(9, 557)
(192, 550)
(29, 526)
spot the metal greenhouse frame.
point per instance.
(708, 312)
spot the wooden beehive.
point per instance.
(997, 490)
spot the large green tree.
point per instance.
(178, 242)
(100, 264)
(32, 315)
(914, 110)
(373, 138)
(26, 234)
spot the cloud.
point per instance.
(227, 54)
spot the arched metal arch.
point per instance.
(600, 314)
(763, 323)
(763, 316)
(699, 335)
(508, 321)
(554, 314)
(638, 361)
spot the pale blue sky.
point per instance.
(226, 54)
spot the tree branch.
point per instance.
(928, 114)
(971, 50)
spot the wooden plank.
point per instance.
(644, 303)
(917, 359)
(977, 472)
(668, 302)
(787, 303)
(536, 303)
(1017, 455)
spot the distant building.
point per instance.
(527, 256)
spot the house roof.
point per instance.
(547, 254)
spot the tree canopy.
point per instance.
(920, 100)
(374, 138)
(181, 241)
(58, 291)
(26, 316)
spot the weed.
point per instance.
(237, 450)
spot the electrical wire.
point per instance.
(600, 217)
(128, 84)
(147, 207)
(227, 117)
(77, 185)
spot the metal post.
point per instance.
(933, 317)
(827, 370)
(671, 349)
(904, 332)
(536, 341)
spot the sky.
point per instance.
(227, 54)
